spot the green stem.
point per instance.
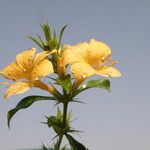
(59, 142)
(65, 106)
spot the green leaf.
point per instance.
(99, 83)
(52, 44)
(47, 32)
(54, 35)
(65, 82)
(52, 121)
(35, 41)
(75, 145)
(56, 122)
(25, 103)
(43, 42)
(61, 33)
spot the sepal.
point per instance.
(51, 40)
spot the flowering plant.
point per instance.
(85, 60)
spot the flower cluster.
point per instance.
(85, 60)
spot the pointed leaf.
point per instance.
(52, 121)
(47, 32)
(75, 144)
(65, 82)
(61, 33)
(57, 124)
(35, 41)
(100, 83)
(51, 44)
(54, 35)
(25, 103)
(43, 42)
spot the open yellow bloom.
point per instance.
(88, 59)
(61, 69)
(26, 71)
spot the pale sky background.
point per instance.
(119, 120)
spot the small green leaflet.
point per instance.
(65, 82)
(61, 33)
(99, 83)
(75, 144)
(25, 103)
(53, 122)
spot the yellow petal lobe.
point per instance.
(13, 72)
(60, 67)
(40, 56)
(42, 69)
(82, 70)
(108, 72)
(43, 86)
(71, 55)
(17, 88)
(25, 59)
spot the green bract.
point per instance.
(51, 41)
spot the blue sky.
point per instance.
(110, 121)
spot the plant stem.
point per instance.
(65, 106)
(59, 142)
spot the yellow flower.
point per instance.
(26, 71)
(88, 59)
(61, 69)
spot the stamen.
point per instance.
(107, 62)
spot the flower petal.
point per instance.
(98, 52)
(43, 86)
(17, 88)
(108, 72)
(40, 56)
(82, 70)
(71, 54)
(13, 72)
(42, 69)
(93, 53)
(25, 59)
(60, 67)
